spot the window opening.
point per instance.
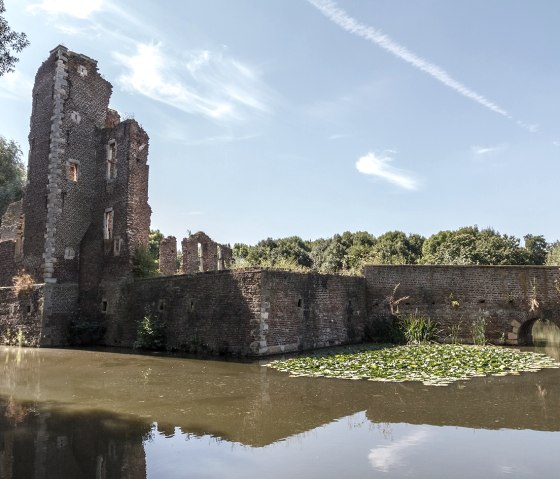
(73, 172)
(112, 160)
(104, 306)
(108, 225)
(200, 263)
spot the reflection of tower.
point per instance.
(88, 446)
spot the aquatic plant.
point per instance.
(432, 364)
(418, 329)
(455, 332)
(478, 331)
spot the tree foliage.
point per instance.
(10, 42)
(12, 173)
(347, 253)
(537, 248)
(470, 245)
(154, 239)
(553, 255)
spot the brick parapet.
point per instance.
(455, 296)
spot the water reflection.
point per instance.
(67, 413)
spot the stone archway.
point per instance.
(537, 332)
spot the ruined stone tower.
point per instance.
(85, 208)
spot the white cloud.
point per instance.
(210, 140)
(15, 85)
(378, 165)
(331, 10)
(556, 143)
(75, 8)
(338, 136)
(384, 457)
(207, 83)
(485, 150)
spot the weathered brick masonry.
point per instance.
(252, 313)
(509, 298)
(201, 253)
(21, 312)
(168, 256)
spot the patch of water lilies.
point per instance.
(431, 363)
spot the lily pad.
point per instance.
(432, 364)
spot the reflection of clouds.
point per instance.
(383, 457)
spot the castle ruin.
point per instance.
(85, 213)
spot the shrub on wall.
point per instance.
(150, 333)
(144, 264)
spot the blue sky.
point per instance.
(294, 117)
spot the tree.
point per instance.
(395, 247)
(553, 256)
(537, 248)
(10, 42)
(12, 173)
(469, 245)
(154, 239)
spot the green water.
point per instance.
(103, 414)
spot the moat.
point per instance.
(109, 414)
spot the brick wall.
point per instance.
(168, 256)
(460, 294)
(306, 311)
(241, 312)
(8, 267)
(209, 312)
(21, 311)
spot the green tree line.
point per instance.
(348, 252)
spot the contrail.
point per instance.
(331, 10)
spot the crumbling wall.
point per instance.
(168, 256)
(21, 314)
(505, 297)
(10, 243)
(201, 253)
(69, 104)
(11, 222)
(8, 266)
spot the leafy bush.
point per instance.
(144, 264)
(150, 333)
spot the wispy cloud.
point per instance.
(211, 84)
(379, 166)
(15, 85)
(485, 150)
(384, 457)
(331, 10)
(211, 140)
(75, 8)
(338, 136)
(556, 143)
